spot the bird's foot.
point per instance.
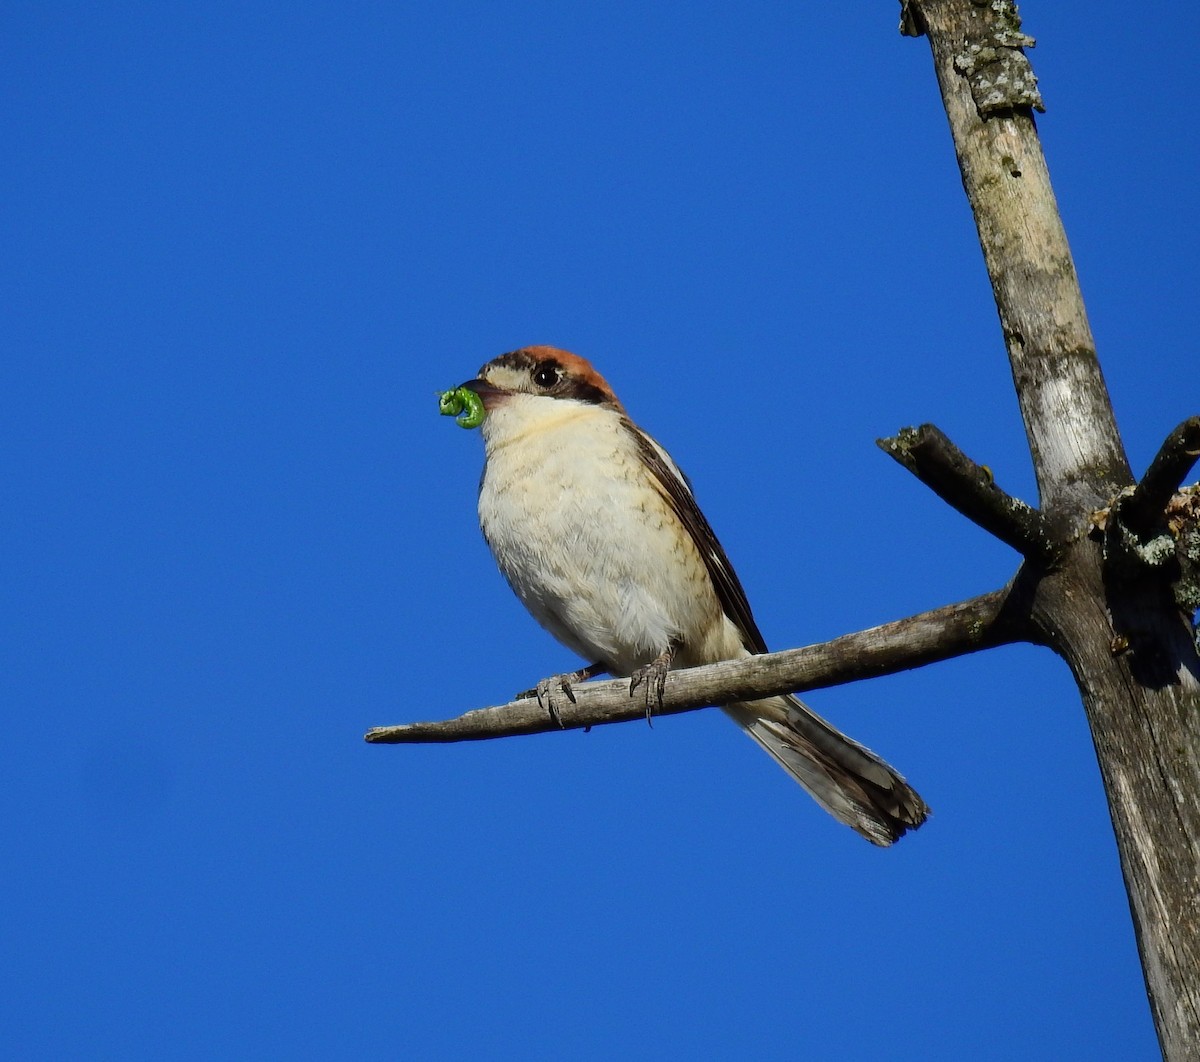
(654, 677)
(545, 690)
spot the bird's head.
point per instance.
(536, 385)
(541, 372)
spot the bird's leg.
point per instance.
(544, 690)
(654, 675)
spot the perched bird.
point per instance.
(598, 533)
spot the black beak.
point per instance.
(482, 388)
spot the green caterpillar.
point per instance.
(464, 404)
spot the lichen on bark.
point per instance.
(995, 65)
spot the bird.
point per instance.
(598, 533)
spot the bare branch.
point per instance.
(982, 622)
(972, 490)
(1146, 508)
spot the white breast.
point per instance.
(584, 537)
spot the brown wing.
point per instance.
(678, 492)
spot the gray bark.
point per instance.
(1109, 606)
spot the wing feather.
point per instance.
(677, 490)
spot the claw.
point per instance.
(544, 691)
(545, 698)
(654, 675)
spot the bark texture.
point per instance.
(1108, 606)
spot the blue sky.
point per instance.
(244, 245)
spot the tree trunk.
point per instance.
(1107, 607)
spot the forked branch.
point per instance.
(998, 618)
(1147, 506)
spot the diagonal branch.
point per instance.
(972, 490)
(1146, 507)
(998, 618)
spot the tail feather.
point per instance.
(848, 780)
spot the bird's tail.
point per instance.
(849, 781)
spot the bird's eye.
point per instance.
(545, 376)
